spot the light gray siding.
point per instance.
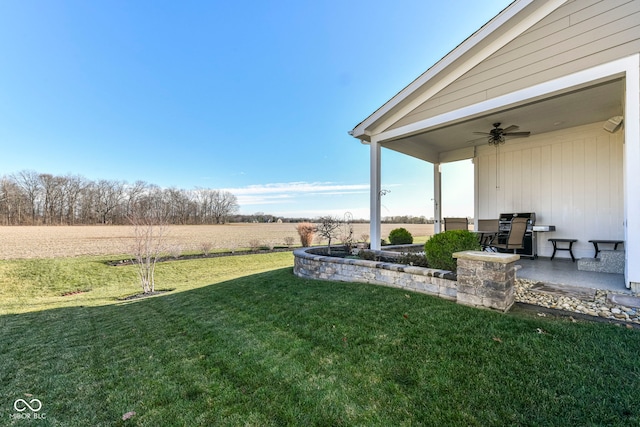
(580, 34)
(572, 179)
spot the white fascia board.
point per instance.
(492, 26)
(612, 69)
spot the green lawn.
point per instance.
(241, 341)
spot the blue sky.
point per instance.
(255, 97)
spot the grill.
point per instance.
(504, 226)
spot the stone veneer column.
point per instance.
(486, 279)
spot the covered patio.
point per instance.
(565, 272)
(546, 68)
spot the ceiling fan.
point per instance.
(497, 135)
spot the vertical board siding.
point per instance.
(571, 179)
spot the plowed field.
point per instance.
(53, 242)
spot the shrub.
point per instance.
(367, 255)
(288, 241)
(175, 251)
(416, 260)
(400, 236)
(440, 248)
(206, 247)
(254, 244)
(306, 231)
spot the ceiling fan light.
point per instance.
(495, 139)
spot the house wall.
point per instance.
(572, 179)
(579, 35)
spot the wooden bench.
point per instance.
(615, 244)
(556, 248)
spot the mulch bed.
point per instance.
(201, 256)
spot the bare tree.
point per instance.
(12, 202)
(52, 197)
(328, 227)
(216, 205)
(133, 194)
(224, 204)
(73, 188)
(179, 205)
(109, 195)
(150, 230)
(29, 182)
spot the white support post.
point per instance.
(476, 190)
(375, 188)
(632, 176)
(437, 198)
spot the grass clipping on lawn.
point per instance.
(260, 346)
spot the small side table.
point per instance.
(556, 248)
(615, 244)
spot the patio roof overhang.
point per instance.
(449, 137)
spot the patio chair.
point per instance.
(487, 231)
(456, 224)
(515, 238)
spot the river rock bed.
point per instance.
(601, 306)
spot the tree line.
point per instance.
(31, 198)
(407, 219)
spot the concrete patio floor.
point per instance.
(564, 272)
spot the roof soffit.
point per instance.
(518, 17)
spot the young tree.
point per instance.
(329, 227)
(150, 231)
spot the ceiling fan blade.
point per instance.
(510, 128)
(481, 133)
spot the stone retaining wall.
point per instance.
(483, 279)
(312, 263)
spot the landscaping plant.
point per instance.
(440, 248)
(306, 231)
(150, 232)
(400, 236)
(329, 228)
(416, 260)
